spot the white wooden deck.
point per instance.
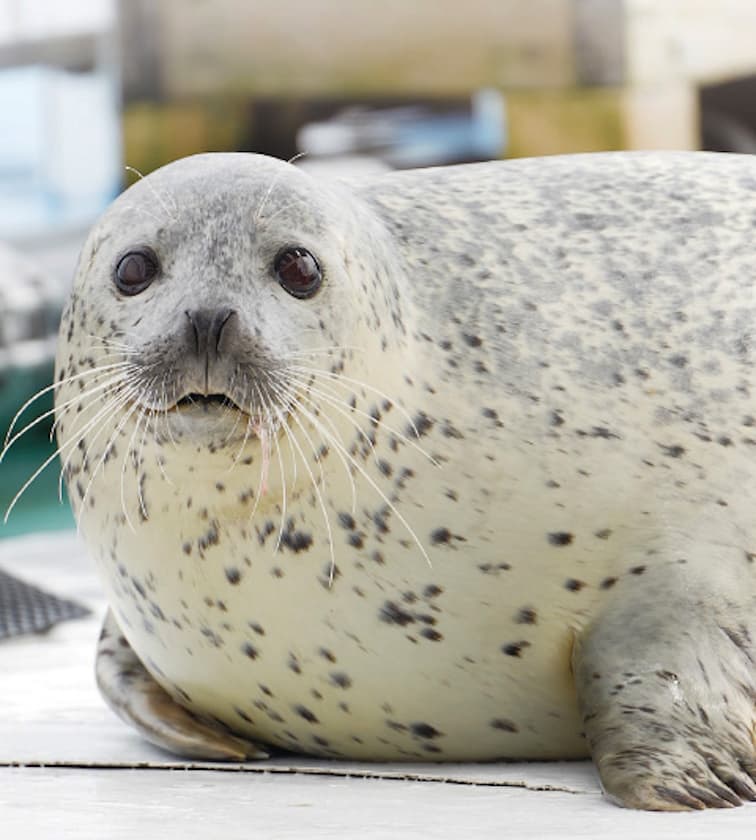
(70, 769)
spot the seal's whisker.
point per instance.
(318, 494)
(293, 354)
(105, 412)
(123, 376)
(336, 401)
(139, 460)
(110, 410)
(315, 418)
(120, 347)
(58, 411)
(297, 401)
(173, 215)
(282, 475)
(260, 482)
(276, 178)
(264, 200)
(237, 419)
(54, 386)
(106, 388)
(316, 457)
(164, 411)
(249, 426)
(127, 454)
(102, 459)
(145, 212)
(70, 444)
(392, 507)
(339, 378)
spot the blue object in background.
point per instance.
(412, 135)
(60, 149)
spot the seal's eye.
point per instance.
(298, 272)
(136, 270)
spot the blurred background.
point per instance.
(90, 86)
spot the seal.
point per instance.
(448, 464)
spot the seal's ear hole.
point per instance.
(298, 272)
(136, 270)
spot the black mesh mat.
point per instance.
(26, 609)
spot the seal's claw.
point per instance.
(634, 784)
(669, 718)
(136, 698)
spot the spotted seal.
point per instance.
(446, 464)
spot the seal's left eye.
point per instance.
(298, 272)
(136, 270)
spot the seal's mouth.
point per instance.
(207, 402)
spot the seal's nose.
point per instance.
(207, 329)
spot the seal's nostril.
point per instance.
(219, 323)
(206, 328)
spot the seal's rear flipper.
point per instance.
(666, 682)
(136, 698)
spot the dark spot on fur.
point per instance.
(424, 730)
(514, 648)
(560, 538)
(637, 570)
(243, 715)
(341, 679)
(598, 432)
(574, 585)
(674, 451)
(431, 634)
(356, 540)
(233, 575)
(294, 540)
(503, 725)
(346, 520)
(440, 536)
(250, 650)
(306, 714)
(608, 583)
(391, 613)
(385, 467)
(448, 429)
(421, 426)
(527, 615)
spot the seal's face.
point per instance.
(219, 297)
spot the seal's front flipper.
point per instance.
(136, 698)
(666, 682)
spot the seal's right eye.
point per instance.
(136, 270)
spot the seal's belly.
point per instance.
(466, 655)
(436, 662)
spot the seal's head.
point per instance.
(215, 283)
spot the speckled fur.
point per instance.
(573, 340)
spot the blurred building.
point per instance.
(576, 75)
